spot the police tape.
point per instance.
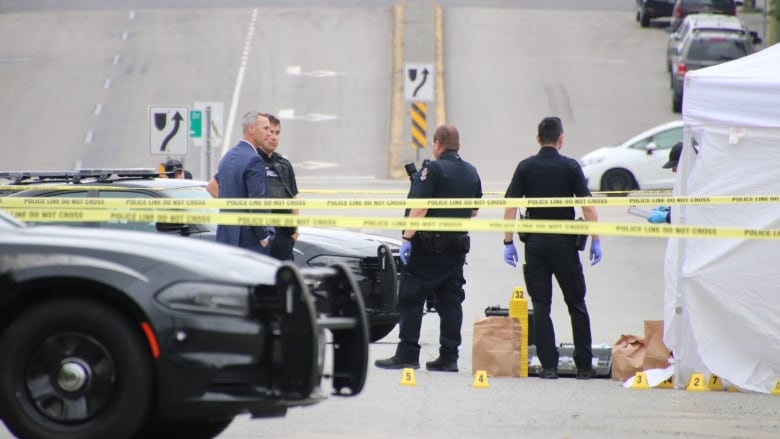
(405, 203)
(83, 187)
(403, 223)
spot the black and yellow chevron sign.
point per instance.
(419, 124)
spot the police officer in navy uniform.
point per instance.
(434, 260)
(550, 174)
(281, 184)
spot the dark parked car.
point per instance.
(704, 22)
(647, 10)
(704, 49)
(109, 333)
(372, 259)
(683, 8)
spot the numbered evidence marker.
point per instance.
(407, 377)
(716, 383)
(667, 383)
(775, 391)
(518, 308)
(640, 381)
(481, 380)
(697, 383)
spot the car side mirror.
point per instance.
(650, 147)
(182, 229)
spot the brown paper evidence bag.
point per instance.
(632, 353)
(496, 348)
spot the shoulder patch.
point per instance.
(424, 174)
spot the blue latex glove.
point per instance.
(510, 254)
(406, 251)
(659, 215)
(595, 251)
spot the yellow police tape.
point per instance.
(441, 224)
(413, 203)
(82, 187)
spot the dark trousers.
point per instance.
(557, 255)
(440, 275)
(282, 247)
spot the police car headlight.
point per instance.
(206, 298)
(327, 260)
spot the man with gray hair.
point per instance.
(242, 174)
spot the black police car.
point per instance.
(116, 334)
(372, 259)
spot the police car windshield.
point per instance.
(193, 193)
(8, 222)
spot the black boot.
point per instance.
(396, 363)
(442, 365)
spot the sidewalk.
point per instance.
(757, 21)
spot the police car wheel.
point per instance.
(378, 332)
(73, 368)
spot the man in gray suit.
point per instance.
(242, 174)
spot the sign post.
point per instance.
(210, 132)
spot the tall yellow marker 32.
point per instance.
(518, 308)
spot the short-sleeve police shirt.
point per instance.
(548, 174)
(447, 177)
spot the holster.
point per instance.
(521, 236)
(443, 242)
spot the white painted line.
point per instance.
(289, 114)
(286, 113)
(116, 59)
(14, 59)
(315, 164)
(342, 178)
(98, 109)
(319, 117)
(297, 71)
(107, 83)
(88, 137)
(239, 81)
(323, 73)
(123, 37)
(131, 15)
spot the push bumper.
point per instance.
(270, 361)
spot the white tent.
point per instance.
(722, 296)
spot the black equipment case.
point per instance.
(602, 353)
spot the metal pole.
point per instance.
(765, 42)
(207, 134)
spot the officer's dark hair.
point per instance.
(549, 130)
(448, 136)
(271, 118)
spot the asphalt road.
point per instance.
(507, 64)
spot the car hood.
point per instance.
(598, 153)
(146, 251)
(341, 241)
